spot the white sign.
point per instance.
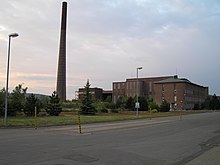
(137, 105)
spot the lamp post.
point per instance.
(6, 89)
(137, 105)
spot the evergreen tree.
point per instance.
(214, 103)
(143, 100)
(53, 107)
(211, 103)
(206, 103)
(87, 108)
(31, 103)
(130, 103)
(165, 106)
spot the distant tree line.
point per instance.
(211, 103)
(128, 103)
(19, 102)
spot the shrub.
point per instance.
(153, 105)
(153, 111)
(165, 106)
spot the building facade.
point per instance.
(180, 93)
(97, 93)
(132, 87)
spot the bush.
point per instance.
(153, 105)
(196, 107)
(153, 111)
(130, 103)
(165, 106)
(143, 100)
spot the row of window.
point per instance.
(130, 85)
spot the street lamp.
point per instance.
(6, 89)
(137, 105)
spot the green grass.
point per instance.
(67, 119)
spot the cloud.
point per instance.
(107, 40)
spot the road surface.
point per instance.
(161, 141)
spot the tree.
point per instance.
(2, 101)
(214, 103)
(31, 103)
(54, 107)
(42, 102)
(16, 100)
(121, 102)
(87, 108)
(108, 99)
(143, 100)
(130, 103)
(206, 103)
(165, 106)
(196, 106)
(211, 102)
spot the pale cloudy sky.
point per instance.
(108, 39)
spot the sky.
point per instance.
(108, 39)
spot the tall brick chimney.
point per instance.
(61, 73)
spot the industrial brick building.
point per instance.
(97, 93)
(179, 93)
(145, 87)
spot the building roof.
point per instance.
(148, 78)
(107, 92)
(173, 79)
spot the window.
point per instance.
(150, 87)
(175, 98)
(130, 85)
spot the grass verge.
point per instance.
(70, 118)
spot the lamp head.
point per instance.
(140, 68)
(13, 35)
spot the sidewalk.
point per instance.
(211, 157)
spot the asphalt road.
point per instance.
(160, 141)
